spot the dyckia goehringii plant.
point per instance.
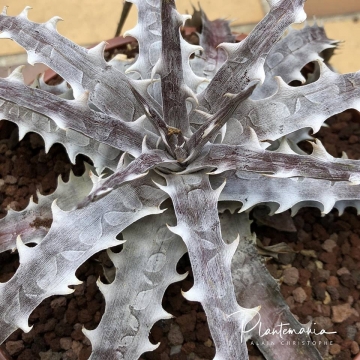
(213, 133)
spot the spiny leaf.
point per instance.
(84, 70)
(71, 240)
(77, 115)
(199, 226)
(246, 59)
(152, 270)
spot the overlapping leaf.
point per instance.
(84, 70)
(76, 115)
(34, 221)
(49, 268)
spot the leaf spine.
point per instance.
(98, 50)
(25, 12)
(52, 23)
(17, 74)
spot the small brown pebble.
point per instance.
(343, 293)
(304, 276)
(188, 347)
(347, 280)
(187, 322)
(357, 337)
(319, 291)
(66, 343)
(76, 346)
(355, 240)
(175, 335)
(335, 349)
(329, 245)
(346, 248)
(322, 275)
(333, 281)
(11, 190)
(291, 276)
(208, 343)
(9, 179)
(354, 348)
(328, 258)
(341, 312)
(346, 344)
(342, 271)
(299, 295)
(3, 148)
(70, 355)
(333, 292)
(14, 347)
(326, 310)
(353, 139)
(85, 353)
(84, 316)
